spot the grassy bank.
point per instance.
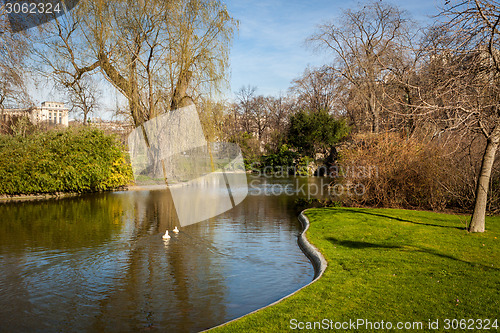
(395, 266)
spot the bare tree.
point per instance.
(254, 113)
(464, 82)
(260, 117)
(318, 89)
(14, 52)
(245, 98)
(363, 43)
(84, 96)
(280, 108)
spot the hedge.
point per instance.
(71, 160)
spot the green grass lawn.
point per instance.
(392, 265)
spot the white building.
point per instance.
(54, 113)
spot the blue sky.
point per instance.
(269, 50)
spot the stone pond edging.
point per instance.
(312, 253)
(316, 258)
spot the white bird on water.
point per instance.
(175, 230)
(166, 236)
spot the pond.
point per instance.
(98, 262)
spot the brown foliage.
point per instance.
(414, 173)
(410, 172)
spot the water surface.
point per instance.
(98, 262)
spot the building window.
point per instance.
(50, 117)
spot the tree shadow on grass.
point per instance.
(361, 245)
(367, 245)
(400, 219)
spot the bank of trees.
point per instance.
(433, 90)
(436, 88)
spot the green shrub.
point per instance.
(315, 132)
(279, 161)
(83, 160)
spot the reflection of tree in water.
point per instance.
(36, 240)
(60, 224)
(167, 285)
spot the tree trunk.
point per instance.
(126, 87)
(477, 223)
(180, 98)
(374, 113)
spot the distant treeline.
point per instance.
(71, 160)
